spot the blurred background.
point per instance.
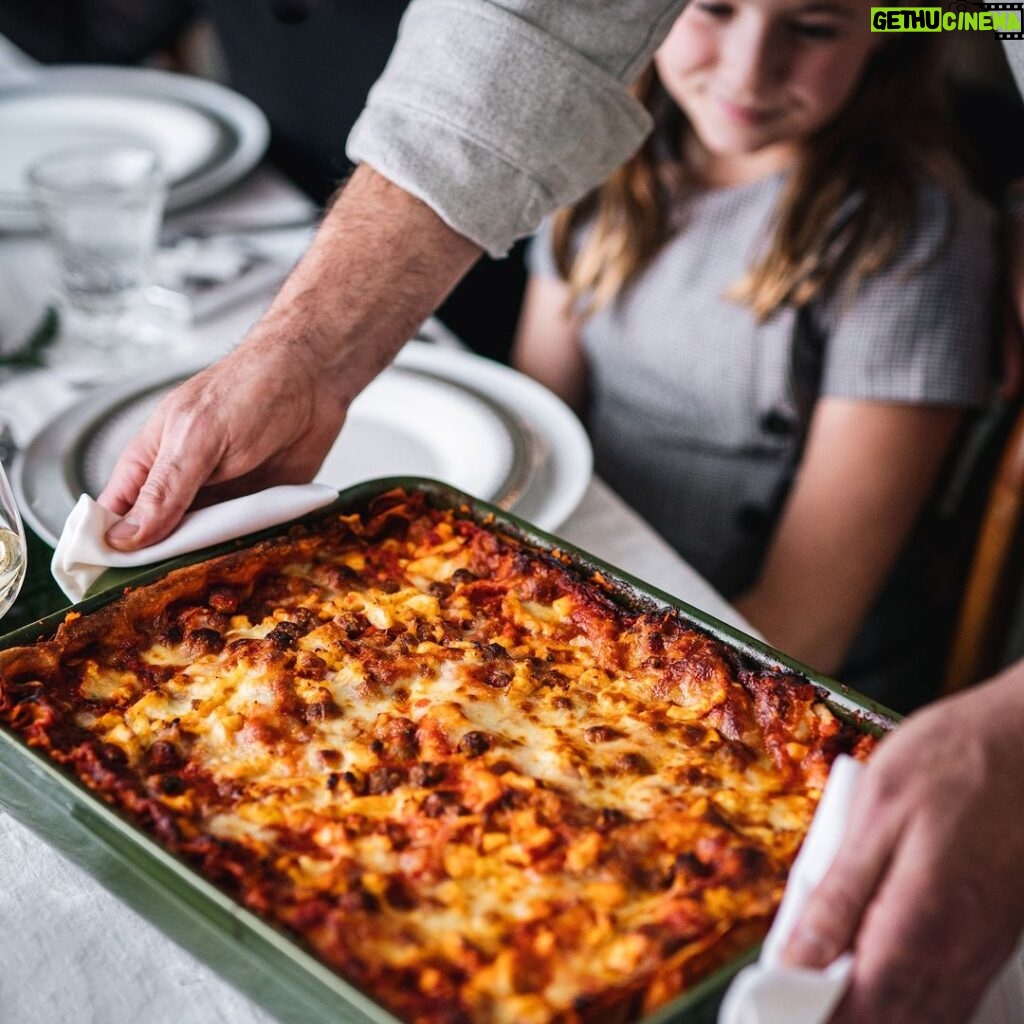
(308, 64)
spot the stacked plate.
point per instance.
(436, 412)
(207, 136)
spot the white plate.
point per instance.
(563, 458)
(405, 423)
(207, 136)
(442, 413)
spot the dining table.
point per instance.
(70, 950)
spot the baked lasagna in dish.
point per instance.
(475, 781)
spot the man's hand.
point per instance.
(269, 412)
(258, 417)
(927, 889)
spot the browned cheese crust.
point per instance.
(453, 768)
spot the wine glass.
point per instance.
(12, 547)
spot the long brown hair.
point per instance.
(840, 217)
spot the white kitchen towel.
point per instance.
(767, 993)
(83, 554)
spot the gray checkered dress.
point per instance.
(697, 413)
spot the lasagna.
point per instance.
(465, 774)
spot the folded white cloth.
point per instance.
(83, 554)
(767, 993)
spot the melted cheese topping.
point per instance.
(461, 774)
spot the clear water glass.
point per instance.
(102, 207)
(13, 561)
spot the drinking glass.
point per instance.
(102, 206)
(12, 547)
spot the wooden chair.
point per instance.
(994, 575)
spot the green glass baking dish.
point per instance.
(252, 955)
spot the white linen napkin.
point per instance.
(767, 993)
(82, 554)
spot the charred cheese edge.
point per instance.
(457, 771)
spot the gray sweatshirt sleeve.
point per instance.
(495, 112)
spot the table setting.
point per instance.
(168, 170)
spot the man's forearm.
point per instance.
(270, 410)
(380, 264)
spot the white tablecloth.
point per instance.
(69, 951)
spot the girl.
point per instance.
(775, 315)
